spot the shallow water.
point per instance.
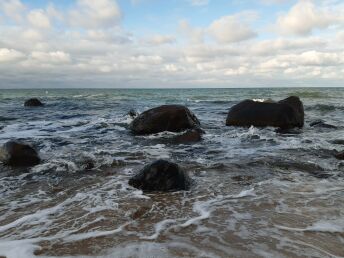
(256, 193)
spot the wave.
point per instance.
(324, 108)
(4, 119)
(309, 94)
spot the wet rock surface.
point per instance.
(285, 114)
(190, 136)
(321, 124)
(340, 155)
(33, 102)
(18, 154)
(172, 118)
(162, 176)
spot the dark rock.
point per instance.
(242, 178)
(340, 155)
(18, 154)
(133, 113)
(190, 136)
(285, 114)
(338, 141)
(322, 124)
(88, 165)
(161, 175)
(34, 102)
(291, 131)
(172, 118)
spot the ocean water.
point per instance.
(256, 193)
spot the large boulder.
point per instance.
(18, 154)
(287, 113)
(172, 118)
(34, 102)
(161, 175)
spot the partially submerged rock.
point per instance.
(19, 154)
(285, 114)
(190, 136)
(162, 176)
(340, 155)
(133, 113)
(322, 124)
(33, 102)
(338, 141)
(172, 118)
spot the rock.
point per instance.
(88, 164)
(284, 114)
(34, 102)
(322, 124)
(290, 131)
(172, 118)
(18, 154)
(340, 155)
(190, 136)
(338, 141)
(161, 175)
(133, 113)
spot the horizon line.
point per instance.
(174, 88)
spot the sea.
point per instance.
(255, 193)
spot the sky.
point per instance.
(171, 43)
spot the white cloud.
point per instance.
(95, 14)
(10, 55)
(229, 29)
(39, 19)
(57, 57)
(195, 35)
(161, 40)
(87, 42)
(303, 18)
(13, 9)
(275, 46)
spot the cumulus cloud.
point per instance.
(57, 57)
(303, 18)
(13, 9)
(89, 45)
(194, 34)
(39, 19)
(229, 29)
(92, 14)
(161, 39)
(10, 55)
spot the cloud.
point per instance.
(39, 19)
(194, 34)
(160, 40)
(10, 55)
(13, 9)
(92, 14)
(280, 45)
(303, 18)
(57, 57)
(86, 44)
(229, 29)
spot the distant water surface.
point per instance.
(256, 193)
